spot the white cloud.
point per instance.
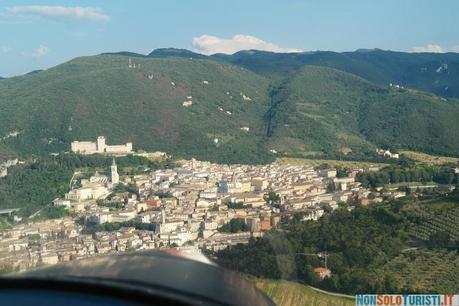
(60, 12)
(432, 48)
(208, 44)
(41, 51)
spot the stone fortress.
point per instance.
(100, 146)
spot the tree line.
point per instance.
(416, 173)
(359, 244)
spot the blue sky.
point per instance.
(38, 34)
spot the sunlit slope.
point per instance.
(330, 110)
(235, 116)
(285, 293)
(101, 95)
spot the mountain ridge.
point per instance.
(102, 95)
(175, 52)
(437, 73)
(219, 111)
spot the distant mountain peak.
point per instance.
(365, 50)
(124, 53)
(171, 52)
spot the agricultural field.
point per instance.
(436, 217)
(285, 293)
(410, 184)
(425, 271)
(331, 163)
(429, 159)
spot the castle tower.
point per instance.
(101, 144)
(114, 173)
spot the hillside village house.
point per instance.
(322, 272)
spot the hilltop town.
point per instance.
(196, 206)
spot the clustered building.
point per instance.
(387, 153)
(186, 207)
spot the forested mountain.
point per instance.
(323, 109)
(437, 73)
(432, 72)
(101, 95)
(232, 113)
(174, 52)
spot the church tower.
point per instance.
(114, 173)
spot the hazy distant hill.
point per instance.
(236, 114)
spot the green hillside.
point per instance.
(100, 95)
(437, 73)
(323, 109)
(285, 293)
(314, 110)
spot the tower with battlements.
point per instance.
(101, 145)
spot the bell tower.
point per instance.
(114, 173)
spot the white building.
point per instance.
(62, 202)
(88, 192)
(169, 225)
(4, 166)
(3, 172)
(210, 225)
(49, 258)
(387, 153)
(89, 147)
